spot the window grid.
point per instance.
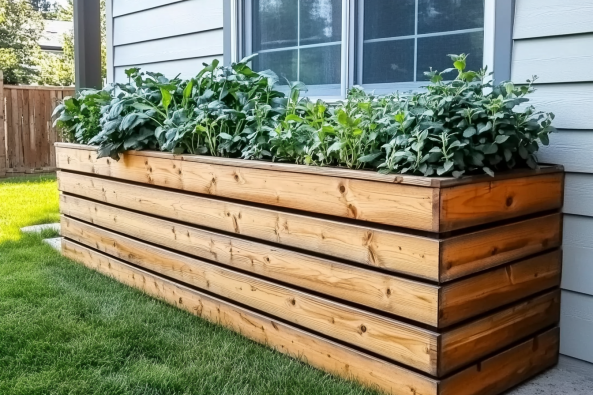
(356, 45)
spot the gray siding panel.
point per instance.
(122, 7)
(175, 19)
(578, 250)
(194, 45)
(572, 103)
(542, 18)
(578, 199)
(577, 325)
(186, 68)
(571, 148)
(554, 59)
(171, 37)
(554, 40)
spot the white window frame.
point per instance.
(498, 24)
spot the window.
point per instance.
(383, 45)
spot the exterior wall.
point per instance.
(168, 36)
(554, 40)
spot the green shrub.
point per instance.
(463, 126)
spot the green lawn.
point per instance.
(67, 330)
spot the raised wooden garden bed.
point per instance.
(415, 285)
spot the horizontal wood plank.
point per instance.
(541, 18)
(554, 59)
(366, 175)
(189, 17)
(484, 202)
(409, 345)
(317, 351)
(477, 251)
(480, 338)
(399, 205)
(401, 342)
(478, 294)
(577, 325)
(410, 299)
(503, 371)
(398, 252)
(195, 45)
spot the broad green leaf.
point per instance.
(469, 132)
(166, 101)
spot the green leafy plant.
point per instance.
(79, 118)
(460, 125)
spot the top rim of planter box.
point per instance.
(368, 175)
(429, 204)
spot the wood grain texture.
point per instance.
(503, 371)
(190, 17)
(477, 251)
(315, 350)
(2, 128)
(541, 18)
(398, 205)
(367, 175)
(481, 293)
(195, 45)
(398, 252)
(401, 342)
(489, 377)
(572, 149)
(577, 325)
(477, 204)
(406, 298)
(480, 338)
(407, 344)
(554, 59)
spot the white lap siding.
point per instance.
(168, 36)
(553, 39)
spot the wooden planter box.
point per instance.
(414, 285)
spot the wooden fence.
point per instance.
(27, 136)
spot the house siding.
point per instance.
(168, 36)
(553, 39)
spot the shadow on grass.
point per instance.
(65, 329)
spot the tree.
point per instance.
(21, 28)
(48, 10)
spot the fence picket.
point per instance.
(2, 128)
(27, 135)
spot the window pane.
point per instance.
(321, 65)
(274, 24)
(433, 51)
(448, 15)
(388, 61)
(389, 18)
(321, 21)
(283, 63)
